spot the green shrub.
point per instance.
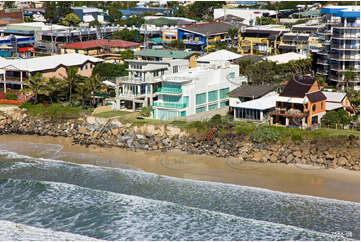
(11, 96)
(296, 137)
(145, 112)
(216, 119)
(265, 134)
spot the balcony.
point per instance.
(168, 90)
(346, 68)
(346, 36)
(345, 57)
(345, 47)
(170, 105)
(289, 113)
(322, 62)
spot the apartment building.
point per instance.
(340, 52)
(195, 90)
(262, 39)
(140, 87)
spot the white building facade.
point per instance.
(196, 90)
(140, 87)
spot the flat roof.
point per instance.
(173, 54)
(286, 57)
(219, 55)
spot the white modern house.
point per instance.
(196, 90)
(140, 88)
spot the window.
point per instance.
(182, 114)
(156, 73)
(213, 96)
(81, 68)
(91, 66)
(200, 110)
(232, 75)
(223, 104)
(201, 98)
(223, 93)
(86, 67)
(213, 106)
(313, 107)
(186, 100)
(175, 69)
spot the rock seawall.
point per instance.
(327, 153)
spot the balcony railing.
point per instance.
(346, 47)
(169, 90)
(345, 57)
(170, 105)
(289, 112)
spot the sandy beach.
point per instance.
(337, 183)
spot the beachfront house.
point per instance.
(253, 103)
(301, 104)
(195, 90)
(139, 88)
(14, 71)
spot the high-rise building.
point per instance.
(341, 46)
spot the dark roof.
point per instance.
(209, 28)
(253, 30)
(287, 47)
(230, 17)
(298, 86)
(316, 96)
(252, 91)
(295, 37)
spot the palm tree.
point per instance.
(36, 85)
(94, 84)
(70, 79)
(82, 90)
(349, 76)
(232, 32)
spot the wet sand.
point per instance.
(337, 183)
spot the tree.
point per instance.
(82, 90)
(94, 84)
(178, 44)
(233, 32)
(71, 79)
(113, 11)
(109, 70)
(265, 20)
(349, 76)
(36, 85)
(50, 12)
(126, 34)
(70, 19)
(94, 23)
(203, 9)
(261, 72)
(336, 117)
(9, 4)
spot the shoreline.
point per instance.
(339, 183)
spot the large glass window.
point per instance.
(200, 110)
(213, 96)
(186, 100)
(213, 106)
(201, 98)
(223, 93)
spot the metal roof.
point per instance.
(47, 62)
(219, 55)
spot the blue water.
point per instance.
(125, 204)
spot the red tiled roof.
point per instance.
(102, 43)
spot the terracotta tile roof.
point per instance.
(102, 43)
(298, 87)
(316, 96)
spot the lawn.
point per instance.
(111, 114)
(55, 110)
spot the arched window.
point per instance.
(313, 107)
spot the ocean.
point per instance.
(48, 196)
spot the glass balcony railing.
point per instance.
(169, 90)
(169, 105)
